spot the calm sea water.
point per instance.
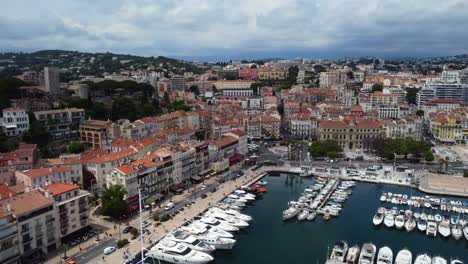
(270, 240)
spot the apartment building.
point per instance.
(96, 133)
(332, 78)
(153, 173)
(36, 220)
(381, 98)
(15, 121)
(350, 135)
(44, 176)
(52, 80)
(71, 206)
(62, 123)
(9, 244)
(72, 161)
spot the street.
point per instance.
(95, 251)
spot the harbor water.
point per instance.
(271, 240)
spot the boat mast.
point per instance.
(141, 225)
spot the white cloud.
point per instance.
(213, 27)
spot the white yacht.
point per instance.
(237, 198)
(385, 256)
(399, 221)
(201, 227)
(378, 219)
(353, 255)
(383, 198)
(234, 213)
(367, 255)
(245, 195)
(422, 225)
(431, 229)
(438, 218)
(457, 232)
(290, 212)
(456, 261)
(439, 260)
(311, 216)
(230, 220)
(211, 238)
(404, 256)
(410, 224)
(389, 220)
(303, 215)
(190, 241)
(222, 225)
(339, 251)
(444, 229)
(423, 259)
(173, 252)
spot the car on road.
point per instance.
(203, 196)
(203, 187)
(146, 224)
(109, 250)
(169, 206)
(127, 229)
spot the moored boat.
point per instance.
(423, 259)
(378, 219)
(439, 260)
(385, 256)
(339, 251)
(367, 255)
(353, 255)
(173, 252)
(404, 256)
(410, 224)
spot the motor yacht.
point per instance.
(262, 183)
(173, 252)
(438, 218)
(303, 215)
(353, 255)
(237, 198)
(220, 224)
(404, 256)
(291, 212)
(423, 259)
(389, 220)
(234, 202)
(211, 238)
(383, 198)
(385, 256)
(439, 260)
(183, 237)
(454, 220)
(410, 224)
(399, 221)
(339, 251)
(456, 261)
(367, 255)
(201, 227)
(423, 216)
(228, 219)
(245, 195)
(430, 217)
(444, 229)
(311, 216)
(457, 231)
(465, 232)
(378, 219)
(233, 213)
(431, 229)
(417, 215)
(422, 225)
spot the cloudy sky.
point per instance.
(238, 29)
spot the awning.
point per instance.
(196, 178)
(158, 196)
(235, 158)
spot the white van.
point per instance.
(169, 206)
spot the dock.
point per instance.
(334, 184)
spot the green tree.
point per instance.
(194, 89)
(6, 144)
(113, 200)
(123, 108)
(378, 87)
(9, 90)
(75, 147)
(411, 94)
(428, 155)
(256, 88)
(37, 133)
(325, 148)
(420, 113)
(465, 174)
(178, 105)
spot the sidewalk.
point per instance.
(201, 205)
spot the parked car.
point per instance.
(127, 229)
(169, 206)
(109, 250)
(203, 196)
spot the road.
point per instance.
(94, 251)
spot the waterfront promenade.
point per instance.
(157, 232)
(444, 184)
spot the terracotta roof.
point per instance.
(333, 124)
(13, 109)
(99, 123)
(226, 140)
(238, 132)
(35, 173)
(114, 156)
(5, 191)
(368, 124)
(26, 202)
(60, 187)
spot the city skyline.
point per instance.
(246, 30)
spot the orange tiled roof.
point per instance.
(114, 156)
(27, 202)
(5, 191)
(333, 124)
(35, 173)
(60, 187)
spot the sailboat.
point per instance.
(410, 224)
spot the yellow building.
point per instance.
(446, 129)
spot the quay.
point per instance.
(444, 185)
(327, 197)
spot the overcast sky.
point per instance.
(238, 29)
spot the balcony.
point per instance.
(9, 254)
(8, 232)
(50, 220)
(27, 239)
(25, 230)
